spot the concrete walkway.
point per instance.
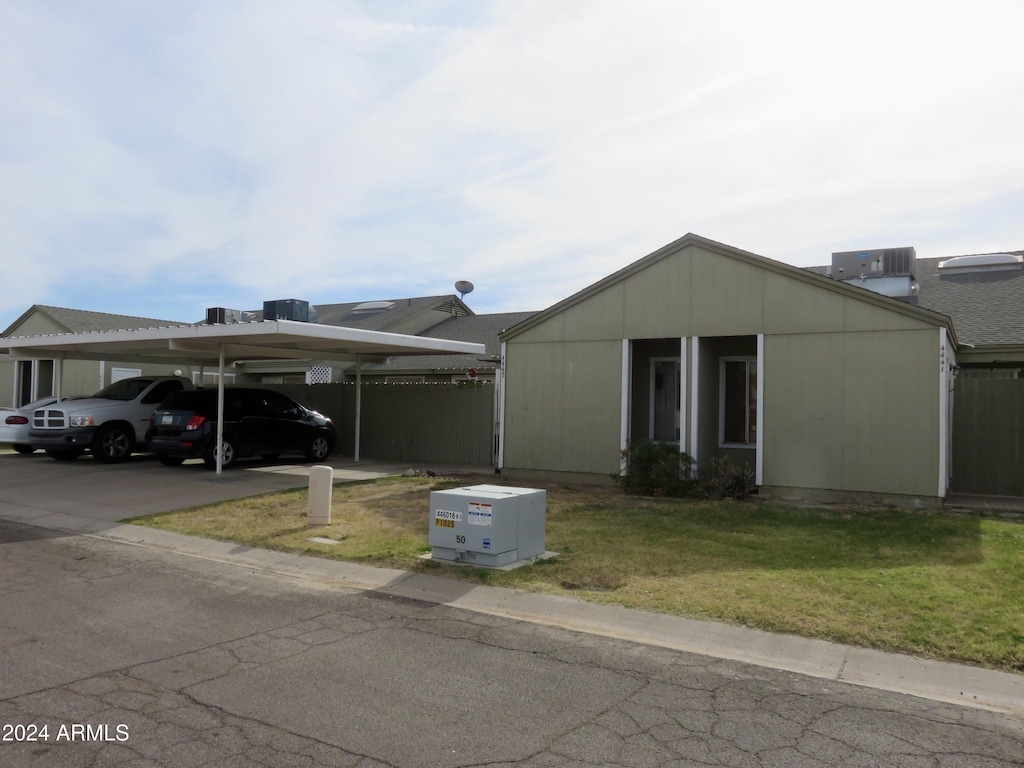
(76, 505)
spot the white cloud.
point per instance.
(168, 153)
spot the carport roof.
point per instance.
(266, 340)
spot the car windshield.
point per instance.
(126, 389)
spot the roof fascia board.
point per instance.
(754, 259)
(238, 352)
(278, 338)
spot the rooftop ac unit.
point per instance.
(220, 315)
(286, 309)
(878, 262)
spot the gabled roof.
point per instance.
(762, 262)
(83, 320)
(482, 329)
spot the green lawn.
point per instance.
(939, 585)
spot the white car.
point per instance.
(14, 424)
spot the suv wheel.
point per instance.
(228, 451)
(113, 443)
(319, 448)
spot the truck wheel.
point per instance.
(211, 455)
(319, 448)
(69, 455)
(113, 443)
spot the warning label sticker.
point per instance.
(479, 513)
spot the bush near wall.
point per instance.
(661, 469)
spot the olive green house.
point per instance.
(824, 389)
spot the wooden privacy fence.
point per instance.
(988, 436)
(427, 422)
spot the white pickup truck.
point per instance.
(111, 423)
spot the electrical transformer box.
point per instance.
(489, 525)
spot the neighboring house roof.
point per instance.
(483, 329)
(797, 273)
(384, 314)
(84, 321)
(986, 307)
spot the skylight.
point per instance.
(370, 307)
(984, 262)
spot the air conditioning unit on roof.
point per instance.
(878, 262)
(286, 309)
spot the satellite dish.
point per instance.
(463, 287)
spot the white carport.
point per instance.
(231, 343)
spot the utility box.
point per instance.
(489, 525)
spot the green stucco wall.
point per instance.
(562, 406)
(853, 411)
(850, 381)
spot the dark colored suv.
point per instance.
(257, 422)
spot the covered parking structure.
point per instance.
(227, 344)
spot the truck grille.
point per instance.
(46, 418)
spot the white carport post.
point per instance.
(359, 404)
(220, 411)
(59, 376)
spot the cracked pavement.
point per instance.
(199, 663)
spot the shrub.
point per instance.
(723, 478)
(659, 469)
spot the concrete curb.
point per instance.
(938, 681)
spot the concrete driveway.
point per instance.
(38, 490)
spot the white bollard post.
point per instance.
(321, 485)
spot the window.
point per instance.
(666, 384)
(738, 397)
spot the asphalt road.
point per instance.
(132, 656)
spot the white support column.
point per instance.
(359, 406)
(694, 394)
(759, 424)
(220, 411)
(944, 363)
(58, 375)
(500, 394)
(683, 388)
(625, 379)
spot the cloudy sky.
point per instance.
(161, 156)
